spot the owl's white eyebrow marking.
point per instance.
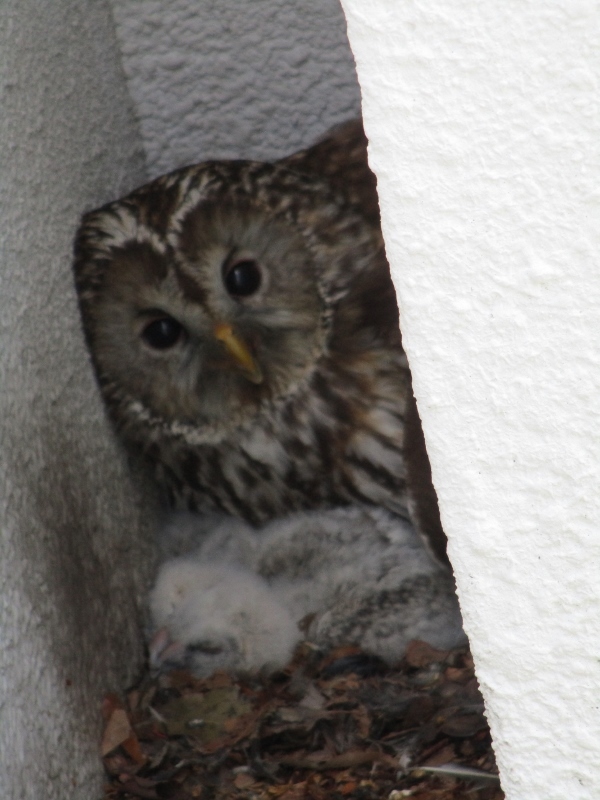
(192, 192)
(119, 227)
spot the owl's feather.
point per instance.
(341, 158)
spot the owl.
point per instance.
(244, 330)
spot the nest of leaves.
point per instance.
(338, 727)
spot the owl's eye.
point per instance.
(162, 333)
(243, 278)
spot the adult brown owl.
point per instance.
(244, 330)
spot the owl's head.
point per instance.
(209, 293)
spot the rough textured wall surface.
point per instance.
(70, 568)
(224, 79)
(485, 135)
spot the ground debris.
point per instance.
(339, 727)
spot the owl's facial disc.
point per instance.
(207, 325)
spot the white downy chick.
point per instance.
(367, 578)
(211, 616)
(214, 537)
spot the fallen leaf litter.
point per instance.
(343, 727)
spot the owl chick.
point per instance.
(244, 330)
(361, 576)
(211, 616)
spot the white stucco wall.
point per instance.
(484, 126)
(231, 79)
(70, 563)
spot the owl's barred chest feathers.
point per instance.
(336, 441)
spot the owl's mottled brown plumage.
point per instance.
(244, 330)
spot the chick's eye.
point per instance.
(208, 647)
(243, 278)
(162, 333)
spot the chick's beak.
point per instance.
(238, 350)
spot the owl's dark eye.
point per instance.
(162, 333)
(243, 278)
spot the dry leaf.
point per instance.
(118, 729)
(458, 675)
(313, 698)
(219, 680)
(140, 789)
(203, 716)
(463, 725)
(133, 699)
(256, 733)
(362, 718)
(421, 654)
(131, 745)
(351, 758)
(110, 702)
(243, 780)
(440, 757)
(295, 792)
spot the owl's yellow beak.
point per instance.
(238, 350)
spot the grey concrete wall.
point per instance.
(231, 79)
(73, 555)
(207, 81)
